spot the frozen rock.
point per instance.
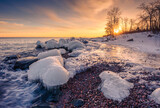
(49, 71)
(75, 44)
(55, 75)
(156, 95)
(75, 53)
(114, 87)
(40, 44)
(62, 51)
(51, 44)
(86, 59)
(62, 42)
(103, 46)
(11, 57)
(45, 54)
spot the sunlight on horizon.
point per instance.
(79, 18)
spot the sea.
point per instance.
(15, 89)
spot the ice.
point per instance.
(114, 87)
(63, 51)
(156, 95)
(103, 46)
(62, 42)
(49, 70)
(55, 75)
(75, 44)
(40, 44)
(54, 52)
(86, 59)
(51, 44)
(76, 53)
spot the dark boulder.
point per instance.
(85, 41)
(150, 35)
(129, 40)
(78, 102)
(24, 63)
(11, 57)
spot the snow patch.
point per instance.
(114, 87)
(141, 41)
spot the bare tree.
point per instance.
(157, 8)
(113, 17)
(126, 24)
(148, 11)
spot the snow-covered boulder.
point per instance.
(75, 44)
(156, 95)
(45, 54)
(114, 87)
(51, 44)
(40, 44)
(62, 42)
(49, 71)
(62, 51)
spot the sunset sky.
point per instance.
(59, 18)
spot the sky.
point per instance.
(60, 18)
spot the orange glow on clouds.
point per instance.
(64, 18)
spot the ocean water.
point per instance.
(10, 46)
(15, 89)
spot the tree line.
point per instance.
(147, 20)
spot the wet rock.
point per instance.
(12, 57)
(78, 102)
(2, 67)
(85, 41)
(129, 40)
(150, 35)
(24, 63)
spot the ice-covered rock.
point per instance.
(75, 53)
(49, 71)
(51, 44)
(103, 46)
(55, 75)
(62, 51)
(156, 95)
(40, 44)
(62, 42)
(114, 87)
(45, 54)
(75, 44)
(86, 59)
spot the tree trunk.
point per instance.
(150, 23)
